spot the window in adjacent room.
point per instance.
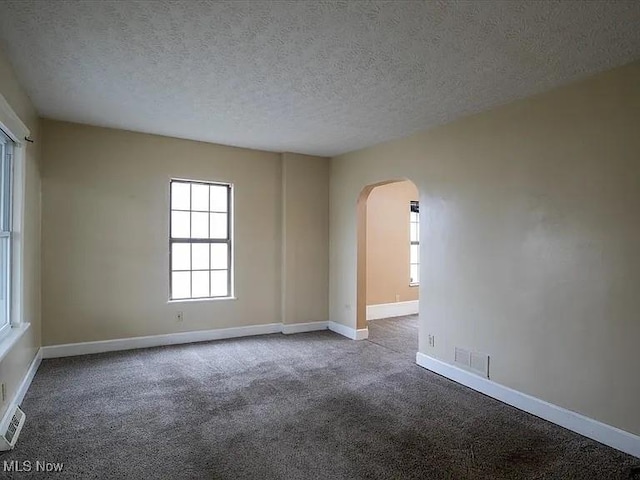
(414, 247)
(200, 240)
(6, 173)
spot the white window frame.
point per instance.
(17, 132)
(414, 204)
(6, 180)
(228, 241)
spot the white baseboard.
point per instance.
(601, 432)
(84, 348)
(101, 346)
(290, 328)
(21, 391)
(352, 333)
(389, 310)
(28, 378)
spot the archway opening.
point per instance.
(388, 264)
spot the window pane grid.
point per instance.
(202, 270)
(199, 240)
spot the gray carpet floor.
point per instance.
(306, 406)
(399, 334)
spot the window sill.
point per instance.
(9, 341)
(194, 300)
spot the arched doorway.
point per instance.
(388, 263)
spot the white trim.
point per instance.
(85, 348)
(389, 310)
(352, 333)
(204, 299)
(303, 327)
(18, 195)
(22, 389)
(601, 432)
(28, 378)
(8, 341)
(11, 123)
(101, 346)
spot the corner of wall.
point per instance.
(305, 238)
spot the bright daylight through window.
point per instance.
(6, 157)
(414, 247)
(200, 240)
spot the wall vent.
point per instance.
(10, 432)
(473, 361)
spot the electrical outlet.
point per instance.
(432, 340)
(397, 297)
(179, 317)
(4, 392)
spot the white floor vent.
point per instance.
(10, 431)
(473, 361)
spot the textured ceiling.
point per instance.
(320, 77)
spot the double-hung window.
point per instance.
(414, 246)
(200, 240)
(6, 206)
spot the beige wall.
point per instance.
(529, 239)
(105, 234)
(388, 243)
(305, 239)
(14, 366)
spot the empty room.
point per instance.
(338, 239)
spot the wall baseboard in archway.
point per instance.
(390, 310)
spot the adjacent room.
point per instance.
(319, 240)
(392, 243)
